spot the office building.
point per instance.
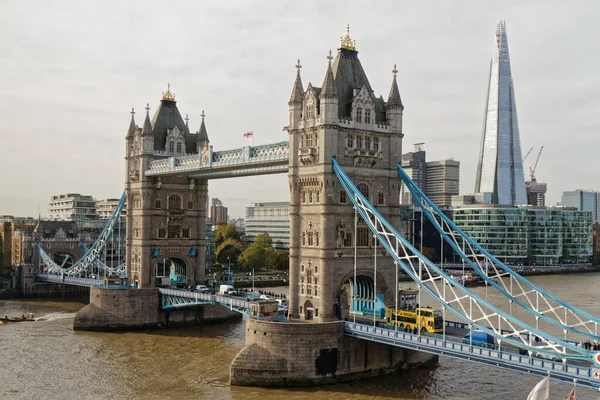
(529, 235)
(218, 213)
(272, 218)
(583, 200)
(8, 226)
(536, 193)
(500, 164)
(72, 207)
(439, 180)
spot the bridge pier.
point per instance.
(309, 354)
(130, 309)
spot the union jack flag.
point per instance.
(571, 395)
(249, 134)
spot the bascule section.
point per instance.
(342, 118)
(166, 214)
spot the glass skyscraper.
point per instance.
(500, 165)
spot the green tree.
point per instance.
(225, 231)
(256, 257)
(229, 248)
(263, 240)
(283, 261)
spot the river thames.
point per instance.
(46, 359)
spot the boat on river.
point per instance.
(24, 318)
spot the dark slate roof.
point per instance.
(147, 129)
(132, 128)
(328, 90)
(394, 98)
(48, 229)
(380, 116)
(202, 135)
(166, 117)
(297, 91)
(349, 75)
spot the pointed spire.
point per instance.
(394, 98)
(187, 120)
(328, 90)
(147, 129)
(132, 127)
(298, 91)
(202, 134)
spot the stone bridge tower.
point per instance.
(166, 216)
(344, 119)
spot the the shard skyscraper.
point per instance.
(500, 166)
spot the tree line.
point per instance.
(259, 255)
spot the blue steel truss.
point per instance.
(90, 257)
(540, 303)
(69, 280)
(450, 294)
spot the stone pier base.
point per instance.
(308, 354)
(131, 309)
(116, 309)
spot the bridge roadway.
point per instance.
(508, 358)
(449, 346)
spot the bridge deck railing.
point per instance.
(507, 358)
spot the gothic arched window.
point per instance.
(367, 116)
(174, 202)
(364, 189)
(359, 114)
(178, 148)
(171, 147)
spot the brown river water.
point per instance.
(46, 359)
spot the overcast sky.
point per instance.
(72, 70)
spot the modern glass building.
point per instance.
(500, 165)
(272, 218)
(529, 235)
(583, 200)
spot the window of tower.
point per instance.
(174, 202)
(185, 233)
(303, 196)
(359, 114)
(364, 189)
(157, 203)
(310, 196)
(178, 148)
(362, 236)
(359, 142)
(348, 239)
(368, 142)
(190, 204)
(171, 147)
(317, 196)
(343, 197)
(310, 239)
(349, 141)
(174, 231)
(367, 116)
(380, 198)
(162, 233)
(376, 144)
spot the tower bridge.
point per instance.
(345, 251)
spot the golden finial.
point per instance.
(168, 95)
(347, 42)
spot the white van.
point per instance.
(202, 289)
(226, 289)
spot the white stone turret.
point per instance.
(295, 102)
(328, 97)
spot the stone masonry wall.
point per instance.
(111, 309)
(307, 354)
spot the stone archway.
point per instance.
(358, 297)
(309, 310)
(172, 271)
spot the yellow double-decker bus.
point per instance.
(424, 319)
(409, 316)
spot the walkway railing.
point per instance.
(69, 280)
(508, 358)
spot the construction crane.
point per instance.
(527, 155)
(532, 170)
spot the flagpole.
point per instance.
(253, 281)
